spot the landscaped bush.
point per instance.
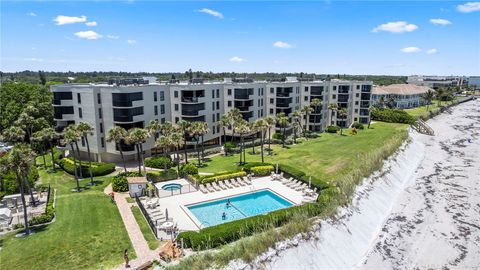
(332, 129)
(223, 177)
(98, 168)
(159, 162)
(218, 235)
(120, 184)
(162, 176)
(189, 168)
(48, 215)
(357, 125)
(262, 170)
(248, 167)
(10, 183)
(277, 136)
(290, 171)
(230, 147)
(392, 116)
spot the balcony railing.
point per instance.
(191, 99)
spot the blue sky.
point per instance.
(352, 37)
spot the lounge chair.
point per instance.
(209, 187)
(216, 187)
(291, 183)
(202, 188)
(243, 181)
(301, 187)
(239, 182)
(233, 182)
(227, 184)
(285, 180)
(247, 180)
(222, 185)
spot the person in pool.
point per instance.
(224, 216)
(228, 202)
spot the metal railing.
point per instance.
(147, 217)
(161, 193)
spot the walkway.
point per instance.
(139, 243)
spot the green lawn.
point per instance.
(145, 228)
(434, 107)
(88, 232)
(328, 157)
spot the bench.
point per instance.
(144, 266)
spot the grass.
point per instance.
(328, 157)
(434, 107)
(153, 243)
(130, 199)
(88, 232)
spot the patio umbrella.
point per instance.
(166, 213)
(309, 181)
(276, 171)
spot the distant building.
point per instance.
(403, 95)
(474, 81)
(436, 82)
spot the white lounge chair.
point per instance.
(202, 188)
(233, 182)
(216, 187)
(227, 184)
(291, 183)
(285, 180)
(210, 187)
(247, 180)
(222, 185)
(302, 187)
(241, 182)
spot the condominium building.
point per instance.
(436, 82)
(400, 96)
(133, 103)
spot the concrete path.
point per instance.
(139, 243)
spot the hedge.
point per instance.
(119, 182)
(159, 162)
(162, 176)
(98, 168)
(189, 168)
(301, 176)
(357, 125)
(332, 129)
(392, 116)
(248, 167)
(262, 170)
(49, 212)
(222, 177)
(215, 236)
(10, 183)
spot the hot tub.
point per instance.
(172, 187)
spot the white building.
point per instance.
(436, 82)
(403, 96)
(133, 103)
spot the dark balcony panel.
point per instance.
(366, 88)
(316, 90)
(247, 115)
(126, 115)
(342, 98)
(192, 96)
(194, 119)
(342, 105)
(243, 93)
(364, 120)
(314, 118)
(243, 103)
(125, 147)
(343, 89)
(364, 112)
(287, 111)
(59, 96)
(58, 112)
(60, 128)
(365, 96)
(284, 102)
(139, 124)
(364, 104)
(243, 109)
(284, 91)
(125, 99)
(192, 109)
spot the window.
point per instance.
(218, 116)
(125, 99)
(175, 94)
(100, 114)
(213, 93)
(155, 109)
(213, 117)
(334, 88)
(80, 113)
(162, 96)
(155, 96)
(272, 90)
(102, 141)
(306, 88)
(357, 94)
(358, 87)
(262, 91)
(229, 103)
(79, 98)
(213, 106)
(162, 120)
(259, 93)
(356, 102)
(162, 109)
(218, 129)
(213, 129)
(271, 111)
(83, 141)
(334, 96)
(176, 107)
(229, 92)
(272, 101)
(258, 102)
(356, 111)
(99, 98)
(176, 119)
(355, 119)
(218, 105)
(261, 101)
(101, 127)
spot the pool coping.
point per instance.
(193, 218)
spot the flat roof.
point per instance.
(401, 89)
(137, 180)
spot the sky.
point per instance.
(346, 37)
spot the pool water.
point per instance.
(242, 206)
(171, 187)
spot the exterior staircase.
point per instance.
(422, 127)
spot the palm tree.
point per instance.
(185, 126)
(333, 107)
(391, 102)
(86, 129)
(163, 142)
(118, 135)
(307, 110)
(342, 113)
(19, 160)
(428, 97)
(370, 110)
(137, 137)
(39, 140)
(177, 141)
(381, 102)
(224, 122)
(50, 136)
(283, 122)
(316, 102)
(242, 129)
(262, 126)
(234, 116)
(271, 124)
(203, 130)
(70, 136)
(154, 127)
(13, 134)
(26, 122)
(254, 131)
(195, 132)
(296, 118)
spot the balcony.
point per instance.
(192, 96)
(287, 111)
(192, 109)
(125, 99)
(195, 119)
(243, 93)
(126, 115)
(342, 98)
(343, 89)
(364, 104)
(365, 96)
(59, 112)
(247, 115)
(316, 91)
(284, 102)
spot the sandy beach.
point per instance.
(421, 211)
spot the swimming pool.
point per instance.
(242, 206)
(171, 187)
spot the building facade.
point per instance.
(436, 82)
(104, 106)
(401, 96)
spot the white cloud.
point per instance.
(211, 12)
(33, 59)
(31, 14)
(395, 27)
(91, 23)
(432, 51)
(440, 21)
(61, 19)
(131, 41)
(282, 45)
(411, 50)
(88, 34)
(469, 7)
(112, 37)
(236, 59)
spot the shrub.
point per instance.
(301, 176)
(119, 182)
(392, 116)
(189, 168)
(47, 216)
(159, 162)
(230, 145)
(248, 167)
(357, 125)
(277, 136)
(333, 129)
(222, 177)
(10, 183)
(262, 170)
(98, 168)
(162, 176)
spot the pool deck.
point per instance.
(186, 221)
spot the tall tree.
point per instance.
(177, 140)
(86, 129)
(39, 142)
(306, 110)
(224, 122)
(271, 124)
(19, 160)
(13, 134)
(118, 135)
(195, 131)
(70, 136)
(185, 127)
(137, 137)
(154, 128)
(50, 136)
(262, 126)
(283, 122)
(203, 130)
(316, 102)
(242, 129)
(43, 79)
(342, 114)
(234, 117)
(163, 142)
(428, 97)
(296, 124)
(333, 107)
